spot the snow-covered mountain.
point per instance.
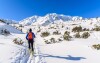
(8, 21)
(49, 18)
(29, 20)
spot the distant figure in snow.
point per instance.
(30, 37)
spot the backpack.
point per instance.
(30, 35)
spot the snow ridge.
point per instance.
(49, 18)
(8, 21)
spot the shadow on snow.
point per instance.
(69, 57)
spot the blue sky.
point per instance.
(20, 9)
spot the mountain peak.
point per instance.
(48, 18)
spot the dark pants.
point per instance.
(30, 42)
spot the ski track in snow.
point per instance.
(20, 57)
(97, 36)
(23, 55)
(37, 57)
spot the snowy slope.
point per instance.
(11, 29)
(75, 51)
(8, 21)
(10, 52)
(69, 53)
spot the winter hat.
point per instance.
(30, 30)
